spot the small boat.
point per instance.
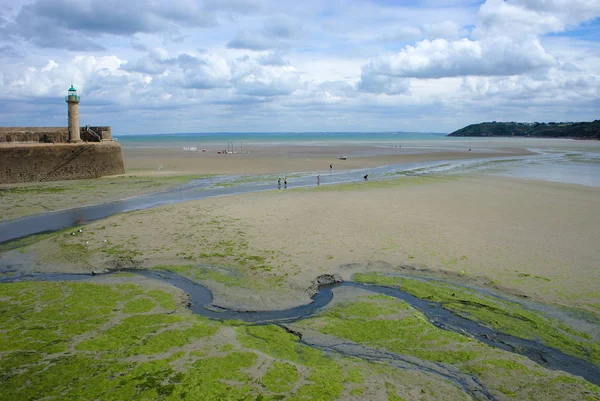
(342, 158)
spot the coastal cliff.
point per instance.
(582, 130)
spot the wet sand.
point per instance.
(292, 158)
(528, 237)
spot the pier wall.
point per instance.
(30, 162)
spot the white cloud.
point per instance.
(379, 83)
(253, 79)
(442, 58)
(204, 71)
(276, 32)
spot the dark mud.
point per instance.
(201, 303)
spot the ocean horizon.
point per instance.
(276, 137)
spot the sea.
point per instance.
(555, 160)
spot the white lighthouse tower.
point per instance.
(72, 100)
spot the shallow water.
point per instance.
(201, 304)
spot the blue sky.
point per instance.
(261, 65)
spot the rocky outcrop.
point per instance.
(323, 279)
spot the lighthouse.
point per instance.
(72, 100)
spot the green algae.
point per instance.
(354, 375)
(168, 339)
(326, 379)
(97, 368)
(504, 316)
(139, 305)
(44, 197)
(395, 326)
(120, 251)
(406, 333)
(21, 243)
(391, 392)
(217, 378)
(280, 378)
(226, 347)
(108, 361)
(146, 355)
(118, 338)
(164, 299)
(71, 253)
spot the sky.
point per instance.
(166, 66)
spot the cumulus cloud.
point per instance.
(380, 83)
(556, 84)
(252, 40)
(338, 89)
(442, 58)
(204, 71)
(273, 58)
(571, 12)
(504, 42)
(52, 78)
(533, 17)
(276, 32)
(253, 79)
(75, 25)
(155, 62)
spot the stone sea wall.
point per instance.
(59, 161)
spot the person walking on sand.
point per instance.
(330, 167)
(318, 180)
(366, 177)
(279, 183)
(285, 182)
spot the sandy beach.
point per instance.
(154, 169)
(531, 238)
(518, 255)
(528, 237)
(292, 158)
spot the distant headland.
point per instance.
(582, 130)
